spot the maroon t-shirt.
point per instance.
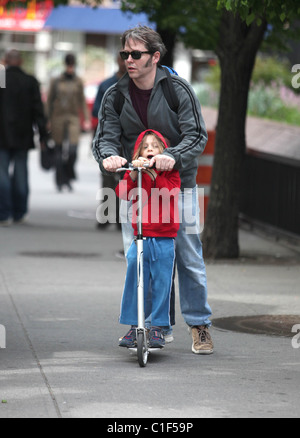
(140, 100)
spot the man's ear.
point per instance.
(156, 57)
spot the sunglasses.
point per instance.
(135, 54)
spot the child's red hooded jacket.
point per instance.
(160, 199)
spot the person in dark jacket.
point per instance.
(21, 109)
(103, 87)
(146, 107)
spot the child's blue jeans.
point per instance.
(159, 262)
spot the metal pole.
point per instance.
(140, 255)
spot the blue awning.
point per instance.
(94, 20)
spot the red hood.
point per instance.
(141, 136)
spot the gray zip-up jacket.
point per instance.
(116, 135)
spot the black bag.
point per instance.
(47, 155)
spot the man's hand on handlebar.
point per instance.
(111, 164)
(162, 163)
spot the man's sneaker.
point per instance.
(129, 340)
(202, 342)
(156, 338)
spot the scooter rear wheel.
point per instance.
(142, 352)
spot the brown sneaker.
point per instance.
(202, 342)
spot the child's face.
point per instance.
(151, 147)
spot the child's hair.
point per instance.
(160, 142)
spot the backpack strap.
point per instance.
(119, 101)
(168, 90)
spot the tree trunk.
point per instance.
(169, 39)
(237, 50)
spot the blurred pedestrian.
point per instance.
(66, 103)
(108, 83)
(21, 109)
(109, 181)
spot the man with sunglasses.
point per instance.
(145, 107)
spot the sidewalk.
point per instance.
(60, 288)
(267, 137)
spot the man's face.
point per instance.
(140, 68)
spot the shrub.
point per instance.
(270, 96)
(273, 102)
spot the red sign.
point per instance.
(30, 19)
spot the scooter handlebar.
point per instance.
(130, 166)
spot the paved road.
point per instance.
(60, 288)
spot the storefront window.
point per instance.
(23, 38)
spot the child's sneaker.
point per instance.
(168, 334)
(129, 340)
(156, 338)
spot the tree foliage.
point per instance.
(279, 15)
(195, 22)
(275, 12)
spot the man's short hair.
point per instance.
(70, 60)
(149, 37)
(13, 58)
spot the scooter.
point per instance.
(142, 349)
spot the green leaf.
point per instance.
(282, 16)
(228, 5)
(250, 19)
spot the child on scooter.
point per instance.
(160, 219)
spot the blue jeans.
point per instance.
(190, 264)
(14, 187)
(159, 261)
(189, 257)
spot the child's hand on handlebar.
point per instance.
(140, 162)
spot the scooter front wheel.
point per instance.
(142, 351)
